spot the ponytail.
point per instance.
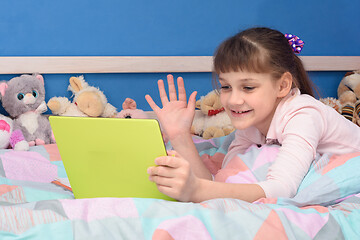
(302, 79)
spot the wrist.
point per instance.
(180, 139)
(198, 190)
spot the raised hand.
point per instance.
(177, 114)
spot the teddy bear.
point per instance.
(23, 98)
(212, 121)
(349, 96)
(130, 110)
(88, 101)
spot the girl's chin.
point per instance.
(240, 125)
(243, 127)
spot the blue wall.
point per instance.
(156, 28)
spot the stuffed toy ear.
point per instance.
(40, 77)
(77, 84)
(3, 87)
(348, 74)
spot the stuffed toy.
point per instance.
(10, 137)
(130, 110)
(88, 101)
(212, 121)
(349, 96)
(23, 98)
(332, 102)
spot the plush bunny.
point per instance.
(23, 98)
(88, 101)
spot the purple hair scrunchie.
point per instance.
(295, 42)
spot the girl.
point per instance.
(268, 97)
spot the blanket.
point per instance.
(326, 206)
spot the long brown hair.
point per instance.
(262, 50)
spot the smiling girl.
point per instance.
(267, 94)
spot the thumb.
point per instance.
(172, 153)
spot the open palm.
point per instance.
(177, 114)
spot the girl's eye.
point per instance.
(34, 93)
(225, 87)
(249, 88)
(20, 96)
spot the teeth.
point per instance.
(240, 111)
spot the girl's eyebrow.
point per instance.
(241, 79)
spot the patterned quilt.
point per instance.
(326, 206)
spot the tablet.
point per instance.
(109, 157)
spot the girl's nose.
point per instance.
(236, 99)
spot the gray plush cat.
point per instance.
(23, 98)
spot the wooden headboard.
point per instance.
(149, 64)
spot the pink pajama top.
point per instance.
(303, 126)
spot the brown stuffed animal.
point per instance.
(88, 101)
(349, 96)
(212, 121)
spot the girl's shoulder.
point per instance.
(297, 101)
(300, 106)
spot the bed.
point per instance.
(33, 206)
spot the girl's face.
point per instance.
(250, 99)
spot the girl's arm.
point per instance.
(302, 131)
(176, 118)
(185, 146)
(175, 178)
(244, 191)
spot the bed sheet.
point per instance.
(327, 205)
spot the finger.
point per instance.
(162, 181)
(172, 90)
(192, 100)
(170, 161)
(162, 92)
(151, 103)
(181, 88)
(161, 171)
(170, 191)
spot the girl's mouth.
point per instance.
(239, 113)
